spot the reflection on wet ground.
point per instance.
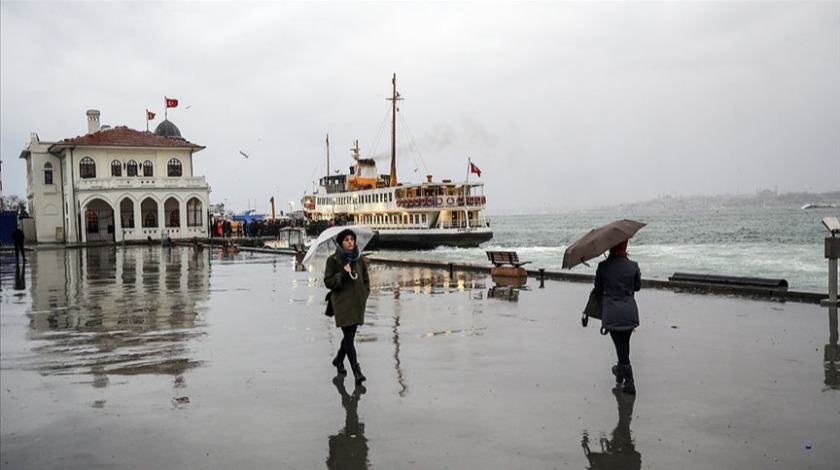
(616, 451)
(107, 311)
(144, 357)
(348, 447)
(831, 354)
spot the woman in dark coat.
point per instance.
(616, 281)
(346, 276)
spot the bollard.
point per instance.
(832, 252)
(542, 278)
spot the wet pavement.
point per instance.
(142, 357)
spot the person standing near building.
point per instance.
(346, 276)
(617, 279)
(17, 238)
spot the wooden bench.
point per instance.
(506, 264)
(502, 258)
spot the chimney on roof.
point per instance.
(93, 120)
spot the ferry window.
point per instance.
(148, 170)
(116, 168)
(87, 168)
(173, 168)
(131, 168)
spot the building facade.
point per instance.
(114, 185)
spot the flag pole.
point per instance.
(165, 109)
(468, 169)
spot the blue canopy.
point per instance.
(249, 216)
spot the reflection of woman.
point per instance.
(616, 281)
(347, 278)
(618, 452)
(348, 448)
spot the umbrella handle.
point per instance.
(353, 275)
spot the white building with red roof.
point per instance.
(114, 185)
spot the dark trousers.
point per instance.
(621, 339)
(19, 255)
(348, 348)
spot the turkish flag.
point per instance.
(474, 169)
(171, 102)
(150, 115)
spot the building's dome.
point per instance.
(167, 129)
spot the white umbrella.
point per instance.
(325, 244)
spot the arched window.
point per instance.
(116, 168)
(131, 168)
(127, 213)
(87, 168)
(147, 168)
(92, 222)
(48, 173)
(174, 218)
(194, 213)
(173, 167)
(149, 220)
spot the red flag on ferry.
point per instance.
(171, 102)
(474, 169)
(150, 116)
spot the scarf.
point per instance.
(350, 256)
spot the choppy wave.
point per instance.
(771, 243)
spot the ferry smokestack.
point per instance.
(428, 178)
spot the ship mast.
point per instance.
(393, 99)
(328, 155)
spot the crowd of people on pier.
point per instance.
(255, 228)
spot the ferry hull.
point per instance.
(427, 241)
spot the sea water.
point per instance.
(775, 243)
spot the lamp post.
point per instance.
(832, 252)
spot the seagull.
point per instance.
(243, 154)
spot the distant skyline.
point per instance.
(561, 104)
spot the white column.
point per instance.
(118, 234)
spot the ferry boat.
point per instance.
(404, 215)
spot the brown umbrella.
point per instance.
(599, 240)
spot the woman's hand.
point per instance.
(347, 268)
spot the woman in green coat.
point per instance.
(346, 276)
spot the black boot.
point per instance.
(629, 385)
(357, 371)
(338, 362)
(616, 370)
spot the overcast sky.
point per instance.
(560, 104)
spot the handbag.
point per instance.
(593, 308)
(329, 311)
